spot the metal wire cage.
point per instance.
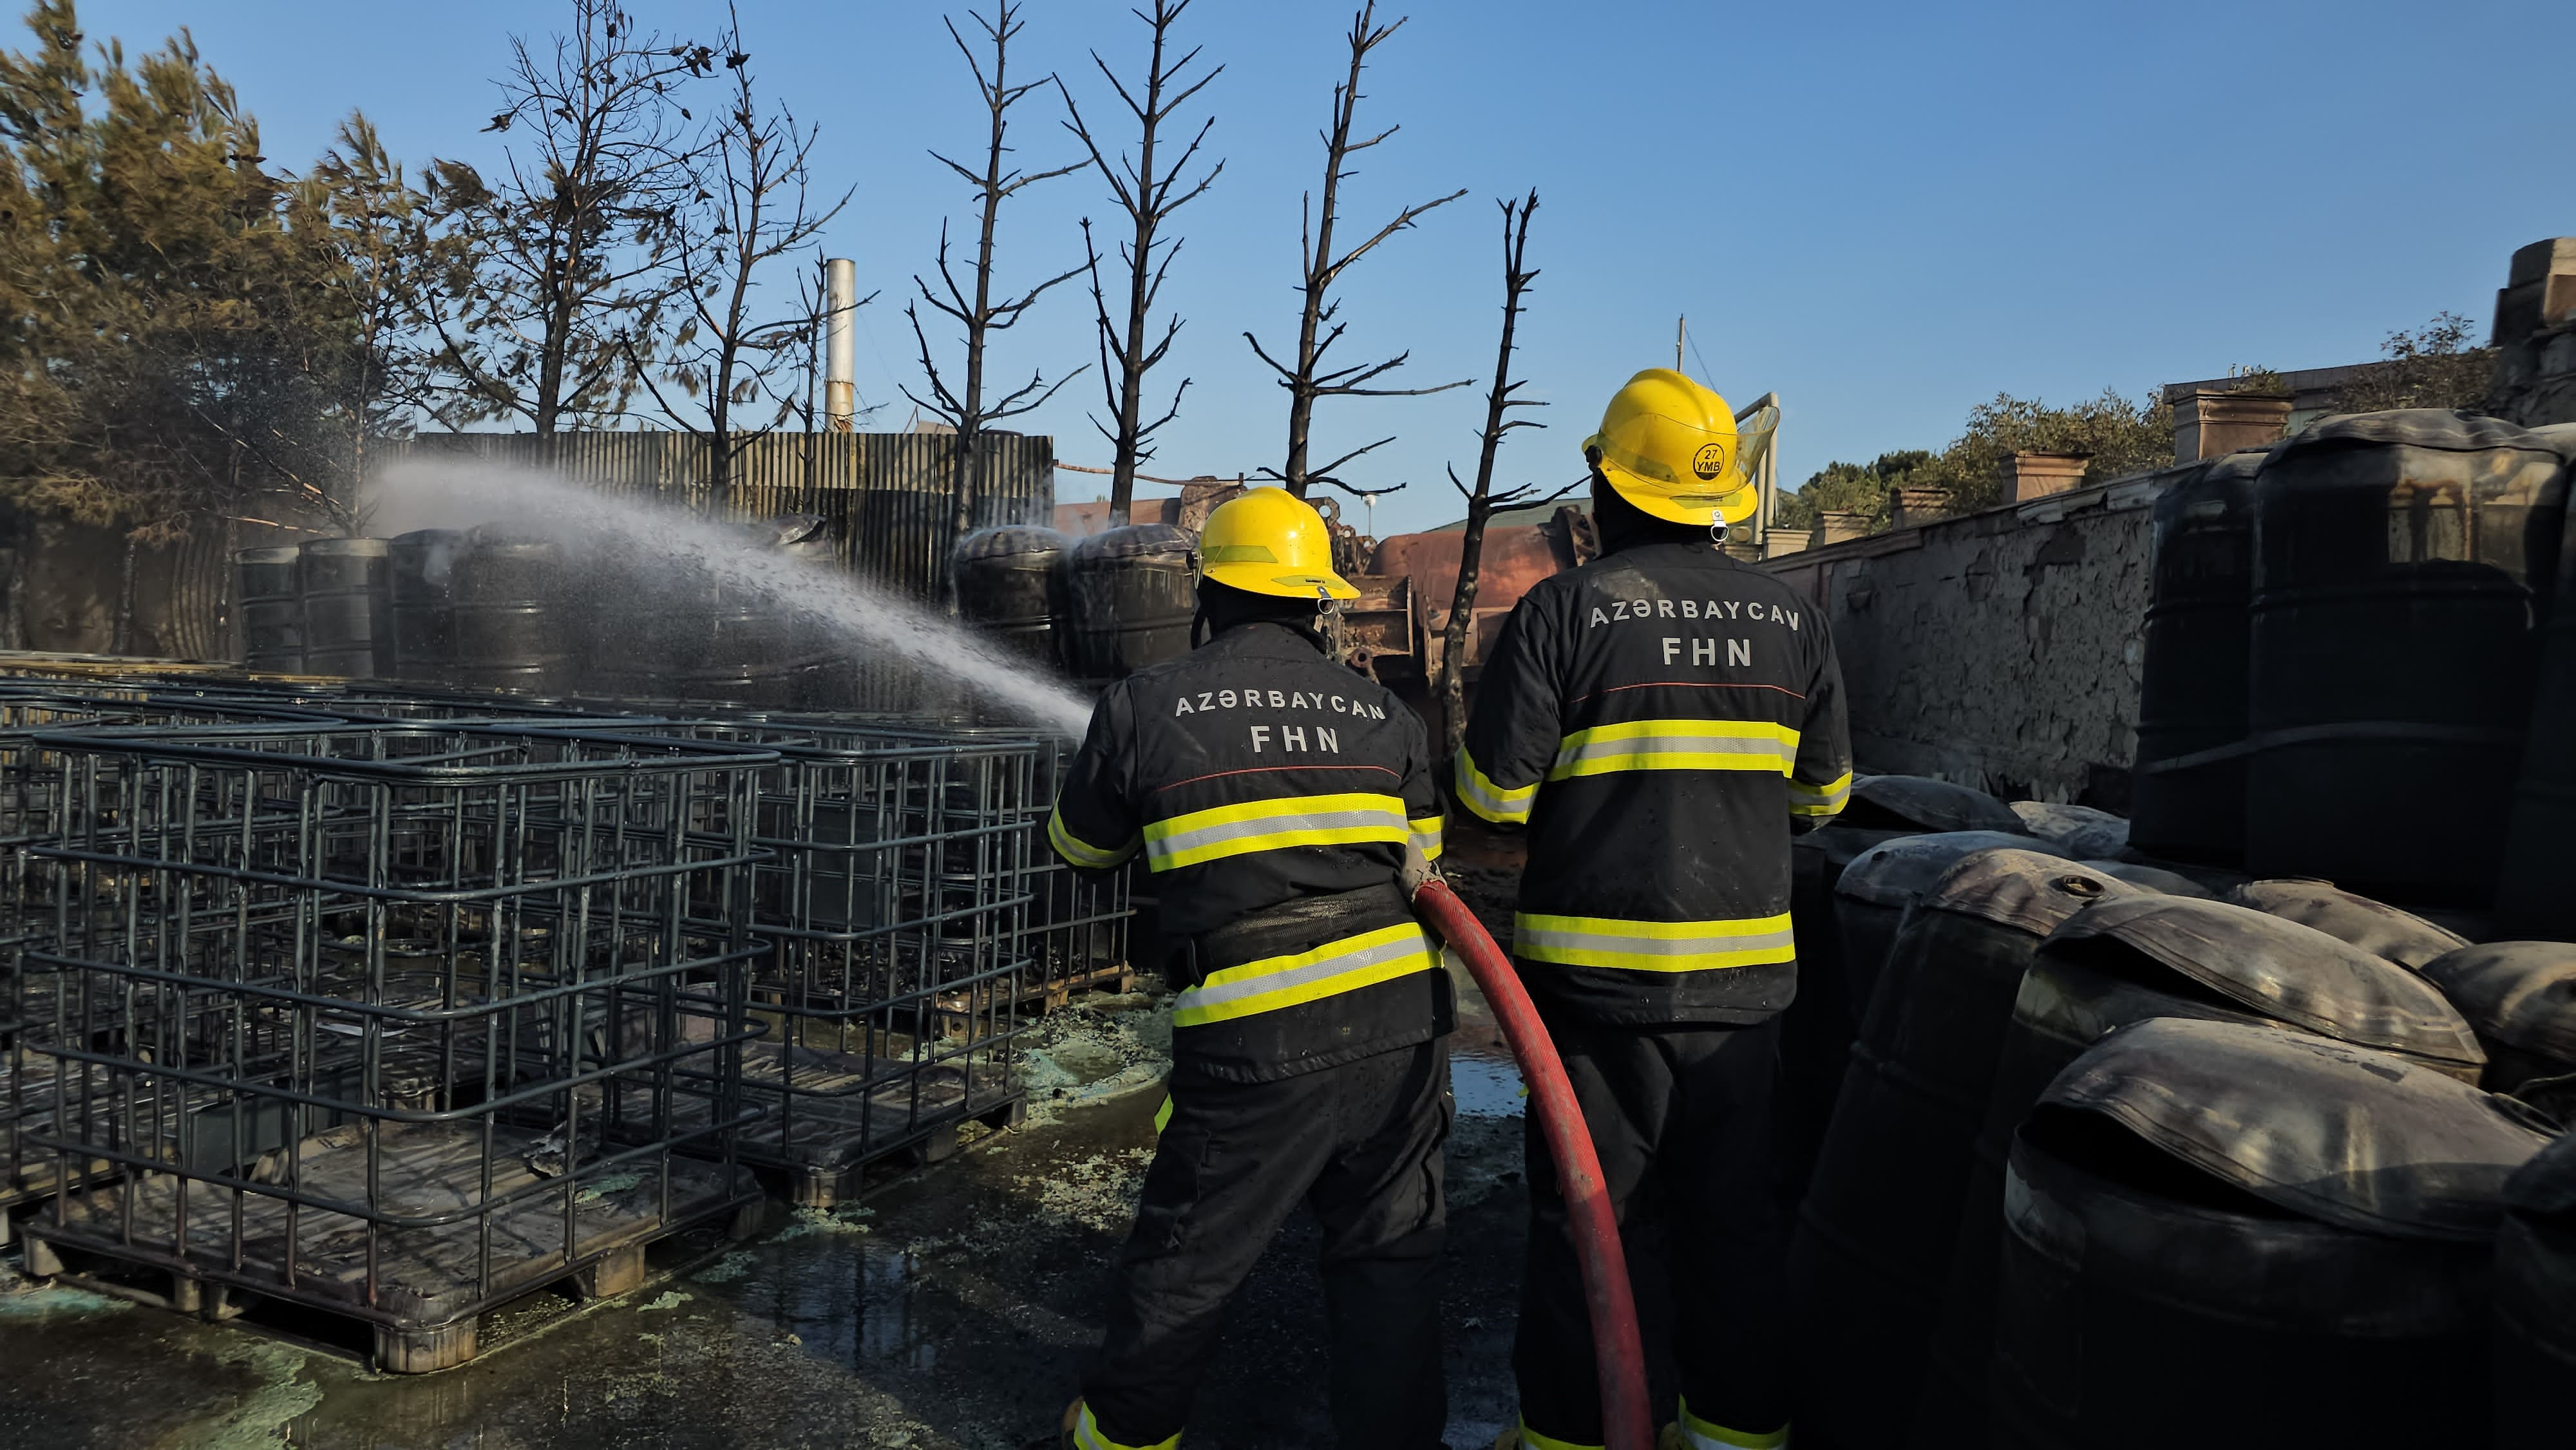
(396, 1021)
(892, 897)
(32, 811)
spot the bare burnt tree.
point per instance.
(568, 248)
(737, 363)
(1149, 187)
(1318, 327)
(1482, 501)
(964, 406)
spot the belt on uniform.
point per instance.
(1295, 925)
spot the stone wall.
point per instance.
(1999, 649)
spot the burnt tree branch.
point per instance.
(1149, 187)
(1481, 500)
(972, 304)
(1305, 379)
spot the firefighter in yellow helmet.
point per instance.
(1274, 796)
(1661, 721)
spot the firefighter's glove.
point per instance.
(1416, 870)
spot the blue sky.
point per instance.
(1885, 212)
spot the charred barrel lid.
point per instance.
(1926, 804)
(2079, 831)
(1027, 545)
(2016, 887)
(2436, 428)
(2278, 969)
(1135, 541)
(2373, 926)
(2153, 878)
(1900, 869)
(2518, 993)
(1839, 845)
(2345, 1135)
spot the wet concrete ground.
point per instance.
(950, 1308)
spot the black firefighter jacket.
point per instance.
(1662, 720)
(1272, 793)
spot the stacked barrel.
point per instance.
(2342, 657)
(2119, 1122)
(1099, 608)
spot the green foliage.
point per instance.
(185, 334)
(2122, 437)
(2432, 367)
(1859, 488)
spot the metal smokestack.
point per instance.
(840, 344)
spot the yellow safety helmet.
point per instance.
(1669, 446)
(1269, 541)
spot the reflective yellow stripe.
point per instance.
(1819, 800)
(1699, 1434)
(1502, 807)
(1079, 851)
(1086, 1433)
(1297, 820)
(1676, 745)
(1163, 1115)
(1308, 976)
(1533, 1440)
(1653, 946)
(1426, 834)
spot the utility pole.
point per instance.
(1681, 325)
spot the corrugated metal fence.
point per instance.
(888, 495)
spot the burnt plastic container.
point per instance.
(2218, 1232)
(1130, 595)
(506, 601)
(424, 624)
(1009, 586)
(2393, 649)
(348, 608)
(272, 605)
(1871, 1250)
(2187, 790)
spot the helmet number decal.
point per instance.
(1710, 461)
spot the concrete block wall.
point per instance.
(1999, 649)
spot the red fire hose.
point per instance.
(1619, 1352)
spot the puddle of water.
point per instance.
(1487, 1084)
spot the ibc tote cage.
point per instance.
(899, 901)
(393, 1021)
(30, 813)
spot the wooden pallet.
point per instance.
(428, 1291)
(837, 1123)
(1048, 996)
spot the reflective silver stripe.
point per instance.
(1652, 946)
(1678, 745)
(1819, 800)
(1297, 975)
(1173, 845)
(1489, 800)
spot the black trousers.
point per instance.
(1360, 1143)
(1681, 1117)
